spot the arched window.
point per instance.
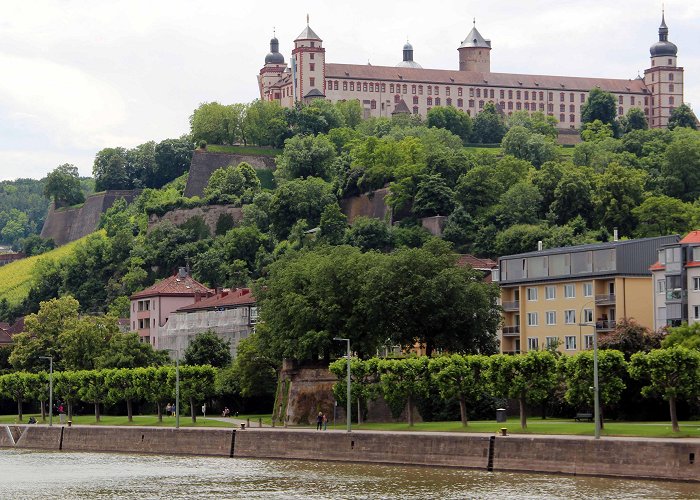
(397, 98)
(572, 108)
(620, 111)
(460, 103)
(420, 89)
(415, 110)
(572, 118)
(391, 88)
(449, 101)
(671, 100)
(374, 104)
(415, 99)
(405, 87)
(670, 77)
(562, 118)
(437, 101)
(478, 92)
(430, 99)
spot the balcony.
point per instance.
(676, 294)
(603, 300)
(511, 331)
(511, 352)
(511, 306)
(605, 325)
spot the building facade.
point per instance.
(231, 314)
(557, 296)
(676, 278)
(382, 90)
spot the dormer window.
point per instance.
(313, 44)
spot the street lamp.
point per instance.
(596, 392)
(50, 358)
(177, 386)
(347, 405)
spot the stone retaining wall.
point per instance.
(204, 163)
(209, 213)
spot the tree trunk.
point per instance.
(602, 425)
(409, 408)
(129, 410)
(428, 349)
(192, 410)
(359, 412)
(674, 416)
(523, 416)
(70, 410)
(97, 411)
(19, 410)
(463, 410)
(43, 411)
(159, 405)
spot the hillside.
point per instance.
(16, 278)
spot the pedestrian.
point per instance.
(319, 421)
(169, 410)
(325, 422)
(173, 409)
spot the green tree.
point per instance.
(403, 381)
(237, 185)
(63, 185)
(127, 351)
(254, 370)
(197, 383)
(158, 386)
(66, 386)
(600, 105)
(488, 125)
(172, 159)
(452, 119)
(635, 119)
(529, 378)
(573, 196)
(519, 238)
(123, 384)
(333, 224)
(682, 116)
(111, 169)
(630, 337)
(306, 156)
(682, 166)
(618, 191)
(433, 197)
(536, 122)
(299, 199)
(85, 340)
(661, 215)
(207, 348)
(93, 387)
(596, 131)
(671, 373)
(684, 335)
(351, 111)
(577, 371)
(460, 377)
(364, 380)
(265, 124)
(217, 124)
(15, 386)
(521, 204)
(368, 233)
(530, 146)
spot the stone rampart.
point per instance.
(368, 205)
(210, 214)
(64, 225)
(204, 163)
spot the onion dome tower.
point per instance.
(408, 61)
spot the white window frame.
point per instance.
(588, 341)
(696, 283)
(570, 342)
(533, 343)
(587, 316)
(588, 289)
(570, 317)
(532, 319)
(550, 317)
(696, 312)
(551, 341)
(567, 288)
(550, 292)
(661, 286)
(531, 294)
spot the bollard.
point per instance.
(260, 422)
(242, 426)
(504, 431)
(70, 422)
(247, 422)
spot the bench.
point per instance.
(584, 416)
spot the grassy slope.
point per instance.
(15, 278)
(243, 150)
(150, 420)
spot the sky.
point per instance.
(79, 76)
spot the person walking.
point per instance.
(319, 421)
(169, 410)
(325, 422)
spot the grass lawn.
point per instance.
(243, 150)
(16, 278)
(549, 426)
(266, 418)
(149, 420)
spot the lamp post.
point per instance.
(347, 405)
(596, 391)
(50, 358)
(177, 387)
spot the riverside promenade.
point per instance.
(631, 457)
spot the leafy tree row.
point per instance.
(672, 374)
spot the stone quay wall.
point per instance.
(640, 458)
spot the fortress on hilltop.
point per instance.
(410, 88)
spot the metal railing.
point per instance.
(511, 330)
(604, 325)
(605, 299)
(511, 306)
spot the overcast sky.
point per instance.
(79, 76)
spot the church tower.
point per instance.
(475, 52)
(271, 72)
(664, 79)
(308, 65)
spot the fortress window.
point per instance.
(561, 96)
(518, 105)
(541, 96)
(437, 90)
(335, 85)
(527, 95)
(471, 103)
(517, 94)
(405, 88)
(671, 100)
(371, 87)
(562, 107)
(620, 100)
(491, 93)
(646, 101)
(373, 104)
(449, 101)
(420, 89)
(572, 108)
(391, 88)
(430, 90)
(312, 81)
(670, 61)
(632, 100)
(562, 118)
(571, 97)
(459, 91)
(352, 86)
(415, 99)
(534, 96)
(510, 94)
(383, 87)
(502, 94)
(447, 90)
(437, 101)
(510, 104)
(471, 92)
(313, 44)
(481, 104)
(460, 103)
(583, 97)
(541, 106)
(413, 89)
(415, 110)
(364, 86)
(620, 111)
(670, 88)
(572, 118)
(478, 92)
(311, 56)
(312, 66)
(430, 101)
(527, 106)
(670, 77)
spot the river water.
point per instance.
(57, 475)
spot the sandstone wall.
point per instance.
(64, 225)
(368, 205)
(210, 214)
(204, 163)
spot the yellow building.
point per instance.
(558, 296)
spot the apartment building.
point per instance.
(558, 296)
(676, 277)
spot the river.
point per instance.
(57, 475)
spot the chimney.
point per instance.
(197, 296)
(182, 272)
(615, 234)
(539, 246)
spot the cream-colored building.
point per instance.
(407, 86)
(558, 296)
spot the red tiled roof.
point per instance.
(476, 262)
(691, 237)
(4, 325)
(17, 326)
(5, 338)
(454, 77)
(174, 285)
(225, 299)
(657, 267)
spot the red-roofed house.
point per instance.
(676, 277)
(487, 266)
(231, 314)
(151, 308)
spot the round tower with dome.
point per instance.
(408, 61)
(272, 70)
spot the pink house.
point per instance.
(151, 308)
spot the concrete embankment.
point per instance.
(668, 459)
